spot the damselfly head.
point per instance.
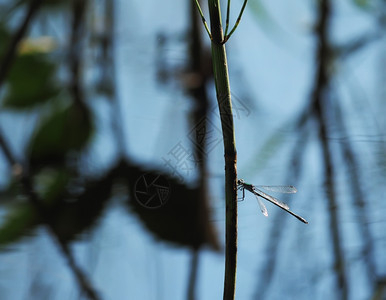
(240, 181)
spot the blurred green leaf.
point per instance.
(65, 129)
(18, 222)
(363, 4)
(52, 184)
(74, 215)
(182, 220)
(30, 82)
(4, 39)
(69, 215)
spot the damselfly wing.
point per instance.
(257, 191)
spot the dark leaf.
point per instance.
(69, 215)
(169, 209)
(4, 40)
(76, 214)
(66, 129)
(30, 82)
(18, 222)
(52, 185)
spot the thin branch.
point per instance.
(226, 37)
(193, 275)
(227, 19)
(339, 262)
(320, 102)
(7, 151)
(357, 44)
(75, 51)
(203, 19)
(359, 200)
(109, 63)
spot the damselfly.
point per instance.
(256, 190)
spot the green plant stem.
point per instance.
(227, 36)
(221, 76)
(203, 18)
(227, 18)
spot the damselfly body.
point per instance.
(257, 191)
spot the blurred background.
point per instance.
(111, 154)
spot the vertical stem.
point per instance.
(321, 98)
(220, 70)
(193, 276)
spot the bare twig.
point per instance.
(359, 201)
(75, 50)
(193, 275)
(320, 103)
(203, 18)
